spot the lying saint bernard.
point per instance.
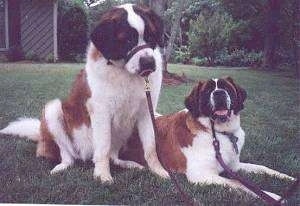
(185, 139)
(107, 100)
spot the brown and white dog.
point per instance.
(107, 100)
(185, 139)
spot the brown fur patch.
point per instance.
(95, 54)
(153, 24)
(240, 93)
(75, 114)
(192, 102)
(114, 14)
(230, 82)
(193, 125)
(133, 150)
(74, 108)
(174, 132)
(46, 147)
(146, 13)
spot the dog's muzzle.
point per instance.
(221, 105)
(147, 64)
(221, 116)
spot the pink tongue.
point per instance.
(221, 112)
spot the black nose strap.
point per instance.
(136, 50)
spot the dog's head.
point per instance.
(130, 36)
(216, 98)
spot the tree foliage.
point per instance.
(72, 31)
(278, 37)
(218, 30)
(210, 33)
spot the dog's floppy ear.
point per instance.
(192, 102)
(156, 27)
(103, 40)
(241, 96)
(104, 35)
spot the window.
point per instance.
(3, 25)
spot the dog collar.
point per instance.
(131, 53)
(136, 50)
(233, 139)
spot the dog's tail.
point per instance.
(25, 128)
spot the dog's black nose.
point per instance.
(219, 94)
(147, 64)
(220, 99)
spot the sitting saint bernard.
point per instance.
(107, 100)
(185, 139)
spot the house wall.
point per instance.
(14, 23)
(3, 26)
(37, 36)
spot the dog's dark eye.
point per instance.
(152, 45)
(207, 91)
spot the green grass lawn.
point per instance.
(270, 120)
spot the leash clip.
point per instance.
(147, 85)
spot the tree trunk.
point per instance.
(158, 6)
(174, 28)
(271, 35)
(296, 37)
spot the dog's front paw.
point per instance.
(155, 165)
(276, 197)
(291, 178)
(273, 195)
(284, 176)
(103, 177)
(161, 172)
(58, 168)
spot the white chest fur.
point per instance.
(118, 97)
(201, 159)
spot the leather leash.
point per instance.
(250, 185)
(184, 196)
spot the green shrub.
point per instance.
(200, 61)
(72, 32)
(254, 59)
(209, 34)
(181, 55)
(49, 58)
(239, 58)
(32, 57)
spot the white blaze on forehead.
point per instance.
(133, 19)
(216, 81)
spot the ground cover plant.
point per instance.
(270, 120)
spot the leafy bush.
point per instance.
(49, 58)
(181, 55)
(72, 32)
(210, 33)
(200, 61)
(32, 57)
(239, 58)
